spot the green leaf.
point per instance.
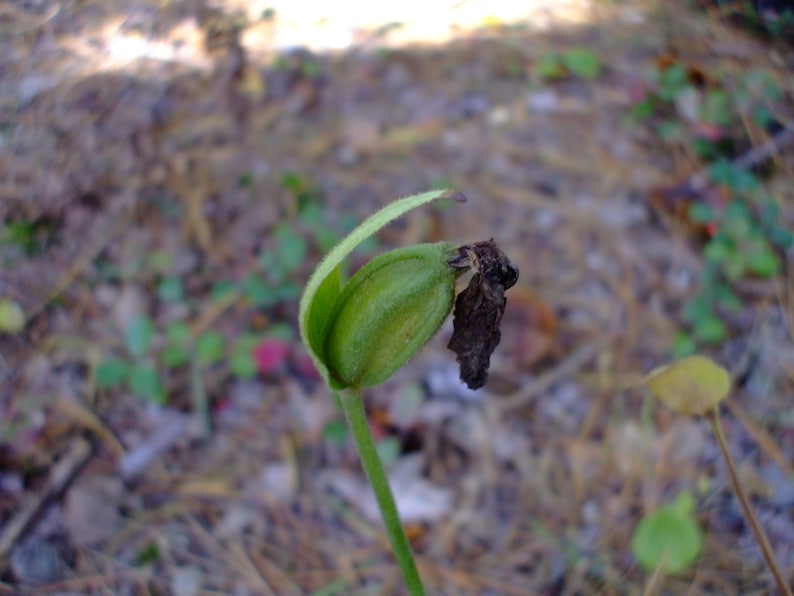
(111, 372)
(174, 355)
(287, 291)
(324, 284)
(281, 331)
(178, 332)
(763, 262)
(643, 109)
(727, 298)
(683, 345)
(673, 80)
(242, 364)
(702, 213)
(336, 432)
(389, 450)
(145, 382)
(550, 66)
(670, 131)
(258, 292)
(147, 554)
(697, 308)
(170, 290)
(668, 537)
(582, 62)
(12, 317)
(222, 288)
(209, 347)
(291, 247)
(717, 251)
(717, 108)
(140, 332)
(160, 260)
(710, 330)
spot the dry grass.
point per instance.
(548, 474)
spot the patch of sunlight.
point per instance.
(111, 48)
(345, 23)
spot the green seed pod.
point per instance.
(389, 309)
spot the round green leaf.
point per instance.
(174, 355)
(242, 362)
(259, 293)
(170, 290)
(582, 62)
(178, 332)
(763, 263)
(291, 247)
(145, 382)
(702, 213)
(710, 330)
(140, 332)
(389, 450)
(683, 345)
(111, 372)
(336, 432)
(668, 537)
(243, 365)
(209, 347)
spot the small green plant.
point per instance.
(578, 62)
(695, 386)
(360, 332)
(668, 538)
(151, 355)
(30, 237)
(747, 236)
(137, 370)
(745, 233)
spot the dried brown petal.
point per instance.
(479, 309)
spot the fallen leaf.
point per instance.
(692, 385)
(12, 317)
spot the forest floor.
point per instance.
(172, 171)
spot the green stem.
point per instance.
(353, 406)
(749, 514)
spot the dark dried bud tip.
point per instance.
(479, 308)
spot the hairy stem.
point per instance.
(353, 406)
(747, 508)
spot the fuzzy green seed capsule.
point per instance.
(389, 309)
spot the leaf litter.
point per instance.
(137, 130)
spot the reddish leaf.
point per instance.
(270, 355)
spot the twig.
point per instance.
(564, 369)
(60, 476)
(747, 508)
(767, 444)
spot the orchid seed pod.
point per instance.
(327, 319)
(385, 314)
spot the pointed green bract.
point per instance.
(324, 285)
